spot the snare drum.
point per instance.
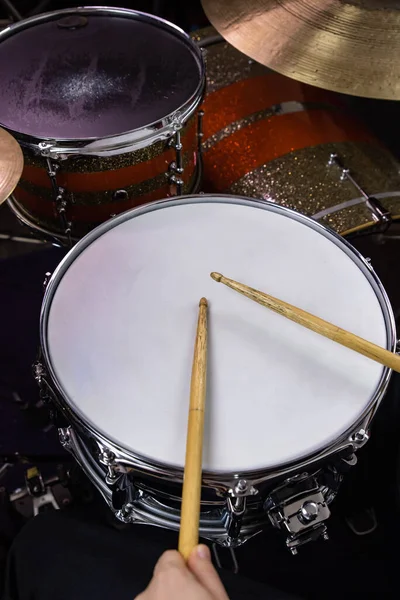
(104, 102)
(270, 137)
(286, 408)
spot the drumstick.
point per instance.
(191, 492)
(341, 336)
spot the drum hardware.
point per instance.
(60, 203)
(351, 460)
(42, 234)
(216, 552)
(200, 133)
(236, 508)
(45, 394)
(175, 169)
(380, 215)
(131, 504)
(360, 438)
(40, 494)
(210, 40)
(38, 374)
(124, 493)
(301, 509)
(107, 458)
(64, 435)
(38, 491)
(46, 150)
(46, 280)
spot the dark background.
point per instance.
(349, 565)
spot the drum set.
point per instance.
(157, 158)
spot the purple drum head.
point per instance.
(108, 74)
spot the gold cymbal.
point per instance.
(348, 46)
(11, 164)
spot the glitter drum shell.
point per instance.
(107, 99)
(269, 137)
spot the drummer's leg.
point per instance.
(66, 555)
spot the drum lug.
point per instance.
(241, 488)
(59, 199)
(39, 374)
(177, 123)
(124, 492)
(175, 168)
(200, 134)
(64, 435)
(299, 508)
(46, 280)
(107, 458)
(360, 438)
(236, 507)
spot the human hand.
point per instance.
(173, 579)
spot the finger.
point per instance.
(201, 566)
(171, 559)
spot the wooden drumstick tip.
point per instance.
(216, 276)
(203, 302)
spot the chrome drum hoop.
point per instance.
(148, 508)
(129, 141)
(351, 439)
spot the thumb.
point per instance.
(201, 566)
(171, 559)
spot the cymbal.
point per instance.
(11, 164)
(348, 46)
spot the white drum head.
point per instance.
(120, 321)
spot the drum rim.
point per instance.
(140, 137)
(173, 472)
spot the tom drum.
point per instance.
(105, 106)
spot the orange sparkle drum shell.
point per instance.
(96, 188)
(269, 137)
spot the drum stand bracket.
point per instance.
(380, 214)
